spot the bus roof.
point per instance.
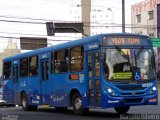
(85, 40)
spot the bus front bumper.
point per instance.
(109, 101)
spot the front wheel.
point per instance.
(122, 110)
(24, 103)
(78, 106)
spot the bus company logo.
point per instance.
(113, 101)
(57, 98)
(93, 46)
(35, 102)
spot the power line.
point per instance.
(19, 38)
(18, 21)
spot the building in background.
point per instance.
(101, 18)
(10, 50)
(144, 17)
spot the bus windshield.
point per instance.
(129, 64)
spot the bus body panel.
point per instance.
(55, 88)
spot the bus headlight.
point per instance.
(153, 90)
(111, 91)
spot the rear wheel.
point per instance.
(122, 110)
(24, 103)
(77, 105)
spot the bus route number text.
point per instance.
(125, 41)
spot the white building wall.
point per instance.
(146, 26)
(101, 19)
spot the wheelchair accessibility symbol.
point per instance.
(137, 76)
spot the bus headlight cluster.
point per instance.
(153, 90)
(111, 91)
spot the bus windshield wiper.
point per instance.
(122, 53)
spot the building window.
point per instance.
(138, 18)
(33, 66)
(76, 63)
(61, 61)
(7, 70)
(24, 67)
(150, 15)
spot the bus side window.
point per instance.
(61, 61)
(97, 65)
(33, 65)
(23, 67)
(89, 65)
(77, 61)
(7, 70)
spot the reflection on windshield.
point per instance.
(129, 64)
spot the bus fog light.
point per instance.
(113, 93)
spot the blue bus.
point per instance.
(114, 70)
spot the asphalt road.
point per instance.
(16, 113)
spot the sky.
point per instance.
(46, 10)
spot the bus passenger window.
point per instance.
(77, 62)
(61, 61)
(90, 65)
(7, 70)
(33, 66)
(52, 62)
(23, 67)
(97, 65)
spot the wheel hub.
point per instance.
(78, 103)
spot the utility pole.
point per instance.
(123, 15)
(86, 9)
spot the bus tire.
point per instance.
(24, 103)
(77, 105)
(122, 110)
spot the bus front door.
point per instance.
(44, 80)
(15, 83)
(94, 78)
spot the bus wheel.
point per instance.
(24, 102)
(78, 106)
(122, 110)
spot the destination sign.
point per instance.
(123, 40)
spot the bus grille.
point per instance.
(131, 94)
(133, 100)
(130, 87)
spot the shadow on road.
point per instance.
(91, 114)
